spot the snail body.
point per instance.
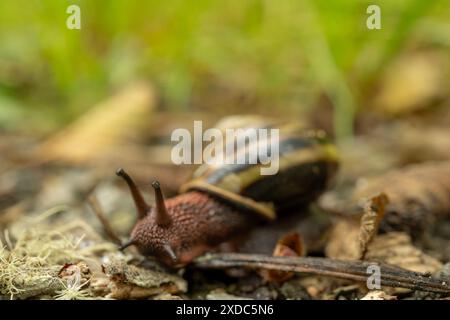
(223, 201)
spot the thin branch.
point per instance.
(97, 209)
(391, 276)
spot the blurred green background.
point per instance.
(276, 57)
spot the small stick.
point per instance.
(390, 276)
(97, 209)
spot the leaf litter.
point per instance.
(379, 211)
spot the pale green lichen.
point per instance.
(46, 259)
(74, 289)
(22, 277)
(30, 267)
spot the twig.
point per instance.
(390, 276)
(97, 209)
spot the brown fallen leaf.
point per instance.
(411, 83)
(418, 195)
(374, 211)
(290, 245)
(396, 248)
(420, 141)
(102, 129)
(343, 241)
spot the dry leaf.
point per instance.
(413, 82)
(343, 242)
(418, 194)
(290, 245)
(420, 141)
(107, 125)
(396, 248)
(373, 213)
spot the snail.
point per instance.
(222, 201)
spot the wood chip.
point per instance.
(378, 295)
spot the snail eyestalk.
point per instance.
(142, 207)
(161, 216)
(125, 245)
(170, 252)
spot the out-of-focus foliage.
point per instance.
(278, 57)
